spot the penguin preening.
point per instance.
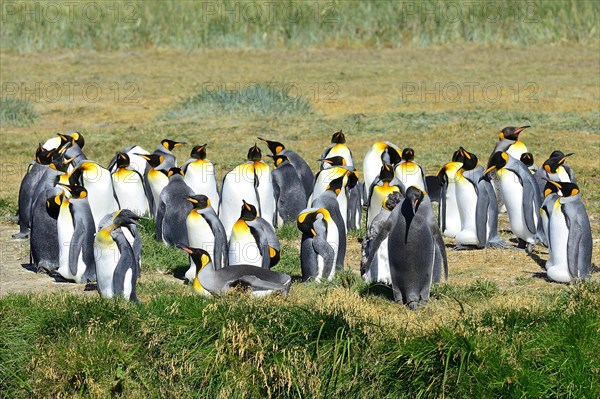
(553, 169)
(205, 231)
(521, 196)
(381, 187)
(379, 153)
(199, 174)
(302, 169)
(319, 248)
(408, 172)
(165, 149)
(259, 281)
(253, 240)
(117, 265)
(289, 192)
(527, 159)
(338, 148)
(416, 249)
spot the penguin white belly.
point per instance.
(409, 173)
(265, 192)
(557, 266)
(65, 229)
(512, 191)
(201, 178)
(516, 149)
(466, 199)
(135, 161)
(106, 258)
(380, 267)
(52, 143)
(100, 194)
(235, 189)
(320, 267)
(200, 236)
(157, 181)
(344, 152)
(452, 222)
(333, 239)
(371, 168)
(128, 284)
(563, 175)
(376, 204)
(342, 200)
(243, 249)
(130, 191)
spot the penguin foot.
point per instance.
(461, 247)
(20, 236)
(529, 248)
(413, 305)
(501, 244)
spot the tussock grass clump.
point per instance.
(16, 112)
(253, 99)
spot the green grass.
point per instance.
(286, 24)
(253, 99)
(16, 112)
(237, 347)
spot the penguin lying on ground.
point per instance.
(258, 280)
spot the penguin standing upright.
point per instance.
(381, 188)
(290, 195)
(338, 148)
(264, 187)
(253, 240)
(551, 194)
(75, 227)
(211, 281)
(569, 237)
(553, 170)
(559, 154)
(329, 201)
(205, 231)
(117, 266)
(129, 186)
(319, 248)
(155, 179)
(375, 261)
(165, 149)
(415, 249)
(302, 169)
(379, 153)
(173, 210)
(199, 174)
(99, 186)
(477, 205)
(527, 159)
(521, 196)
(136, 161)
(408, 172)
(73, 144)
(448, 214)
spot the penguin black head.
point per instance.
(567, 189)
(527, 158)
(469, 159)
(248, 212)
(43, 156)
(511, 132)
(557, 153)
(77, 192)
(334, 161)
(306, 220)
(497, 161)
(458, 155)
(254, 153)
(72, 138)
(392, 154)
(336, 185)
(122, 160)
(153, 159)
(199, 201)
(386, 174)
(408, 154)
(550, 188)
(174, 172)
(278, 159)
(352, 179)
(274, 146)
(200, 257)
(552, 164)
(53, 205)
(338, 138)
(61, 164)
(170, 144)
(199, 152)
(125, 217)
(392, 200)
(415, 196)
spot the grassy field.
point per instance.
(497, 328)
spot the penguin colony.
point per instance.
(81, 218)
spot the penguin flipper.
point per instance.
(75, 249)
(442, 207)
(126, 261)
(221, 252)
(160, 214)
(439, 242)
(528, 204)
(579, 244)
(481, 217)
(258, 284)
(323, 248)
(263, 245)
(378, 233)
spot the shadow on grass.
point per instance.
(378, 289)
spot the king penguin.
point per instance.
(570, 237)
(129, 187)
(527, 159)
(551, 194)
(415, 249)
(319, 248)
(205, 231)
(75, 227)
(290, 195)
(302, 169)
(210, 281)
(338, 148)
(375, 261)
(381, 188)
(117, 267)
(408, 172)
(253, 240)
(553, 170)
(379, 153)
(155, 179)
(136, 161)
(173, 210)
(199, 174)
(165, 149)
(448, 214)
(521, 196)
